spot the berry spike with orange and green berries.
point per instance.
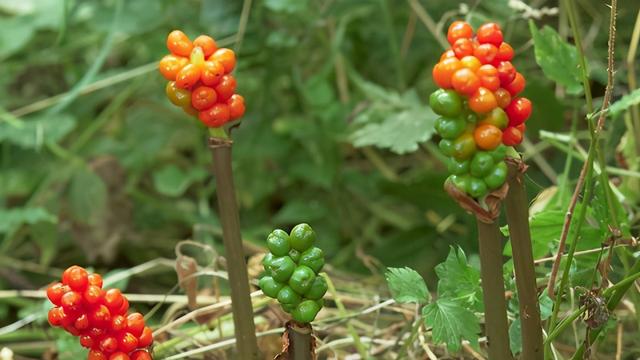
(481, 112)
(98, 317)
(200, 80)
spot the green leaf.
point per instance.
(624, 103)
(451, 323)
(458, 279)
(87, 196)
(515, 336)
(407, 286)
(172, 181)
(10, 219)
(557, 58)
(32, 134)
(546, 305)
(400, 132)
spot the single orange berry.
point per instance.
(212, 73)
(207, 44)
(236, 106)
(490, 33)
(188, 76)
(502, 97)
(447, 54)
(203, 97)
(462, 47)
(226, 57)
(471, 62)
(226, 87)
(465, 81)
(457, 30)
(178, 43)
(505, 52)
(170, 65)
(487, 136)
(217, 116)
(482, 101)
(443, 71)
(486, 53)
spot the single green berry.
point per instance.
(446, 103)
(481, 164)
(496, 117)
(278, 243)
(295, 255)
(313, 258)
(451, 128)
(476, 187)
(301, 279)
(457, 167)
(460, 181)
(266, 262)
(287, 296)
(306, 311)
(497, 176)
(317, 289)
(446, 146)
(498, 154)
(269, 286)
(302, 237)
(281, 268)
(464, 147)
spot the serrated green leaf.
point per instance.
(451, 323)
(31, 134)
(557, 58)
(459, 280)
(631, 99)
(87, 196)
(10, 219)
(407, 286)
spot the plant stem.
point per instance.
(246, 344)
(300, 341)
(495, 305)
(517, 208)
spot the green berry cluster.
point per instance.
(475, 157)
(291, 272)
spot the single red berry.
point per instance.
(518, 111)
(212, 73)
(100, 316)
(95, 280)
(113, 298)
(93, 294)
(82, 322)
(457, 30)
(217, 116)
(490, 33)
(96, 332)
(71, 301)
(67, 318)
(124, 307)
(77, 278)
(226, 87)
(511, 136)
(188, 76)
(86, 341)
(226, 57)
(486, 53)
(55, 292)
(462, 47)
(207, 44)
(55, 316)
(96, 355)
(517, 85)
(109, 344)
(505, 52)
(146, 338)
(506, 72)
(236, 106)
(489, 77)
(127, 342)
(140, 355)
(135, 323)
(118, 323)
(66, 275)
(203, 98)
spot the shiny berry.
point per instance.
(458, 30)
(99, 316)
(77, 278)
(465, 81)
(93, 294)
(489, 77)
(226, 57)
(471, 62)
(226, 87)
(511, 136)
(444, 70)
(206, 43)
(203, 98)
(86, 341)
(96, 355)
(487, 136)
(212, 73)
(82, 322)
(217, 116)
(55, 292)
(188, 76)
(109, 344)
(71, 301)
(447, 54)
(236, 106)
(178, 43)
(518, 111)
(482, 101)
(55, 316)
(506, 72)
(517, 85)
(146, 338)
(505, 52)
(462, 47)
(503, 97)
(177, 96)
(127, 342)
(118, 323)
(486, 53)
(135, 323)
(119, 356)
(95, 280)
(170, 66)
(140, 355)
(113, 298)
(489, 33)
(124, 307)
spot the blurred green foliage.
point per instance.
(99, 169)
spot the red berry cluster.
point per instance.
(98, 317)
(479, 68)
(200, 80)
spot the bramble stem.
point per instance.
(495, 305)
(246, 343)
(300, 341)
(517, 208)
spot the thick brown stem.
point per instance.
(495, 305)
(241, 306)
(299, 344)
(517, 208)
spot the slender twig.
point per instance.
(517, 210)
(244, 326)
(495, 305)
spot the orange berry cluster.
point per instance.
(200, 80)
(98, 317)
(480, 69)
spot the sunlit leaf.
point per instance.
(407, 286)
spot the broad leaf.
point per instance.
(10, 219)
(172, 181)
(34, 133)
(451, 323)
(407, 286)
(557, 58)
(624, 103)
(459, 280)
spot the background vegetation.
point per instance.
(99, 169)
